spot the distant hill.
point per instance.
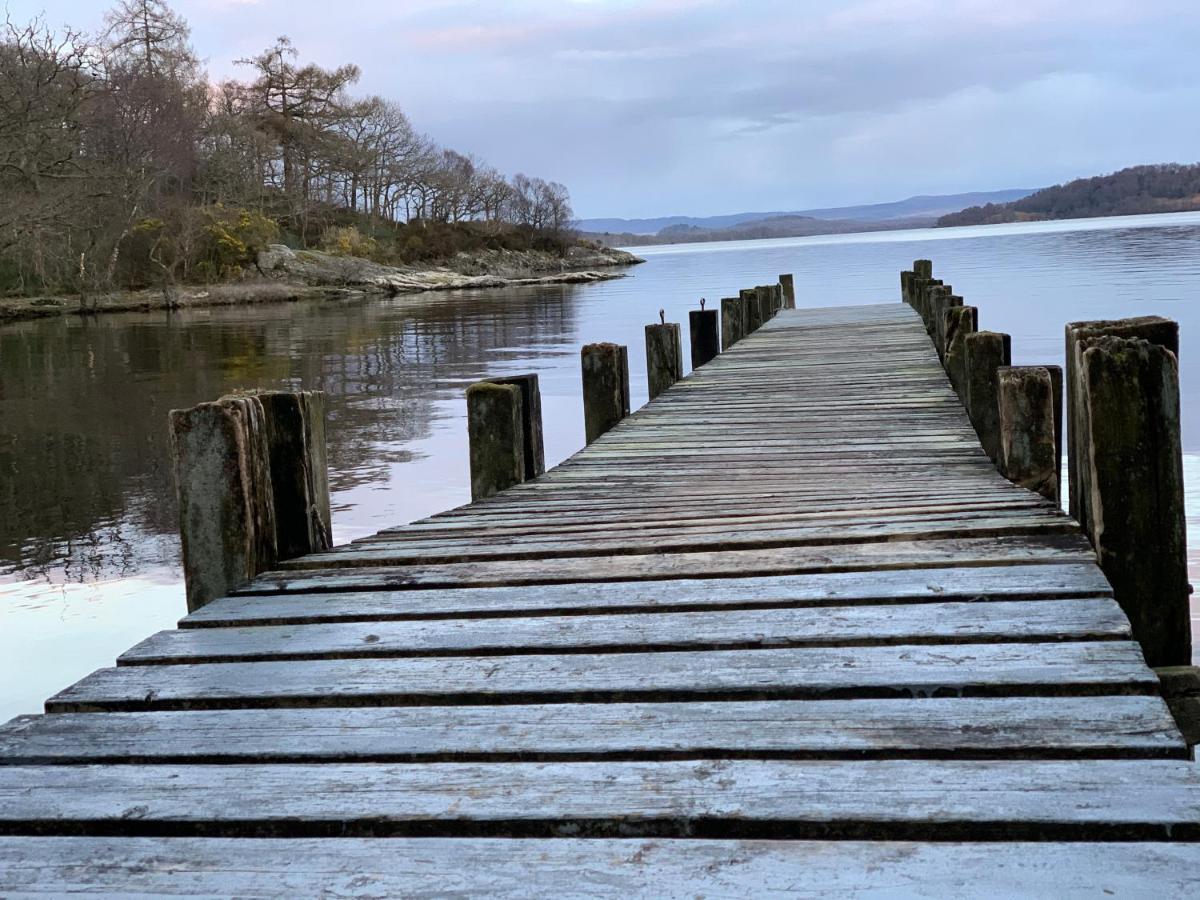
(1133, 191)
(773, 227)
(923, 206)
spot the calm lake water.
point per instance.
(88, 553)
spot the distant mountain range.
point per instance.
(901, 212)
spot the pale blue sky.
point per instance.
(709, 106)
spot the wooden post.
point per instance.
(777, 299)
(906, 278)
(1130, 447)
(704, 334)
(766, 303)
(959, 322)
(923, 268)
(1056, 385)
(496, 433)
(941, 298)
(753, 310)
(222, 467)
(789, 291)
(295, 429)
(733, 321)
(531, 421)
(605, 387)
(987, 351)
(1154, 329)
(1025, 395)
(664, 357)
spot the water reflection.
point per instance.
(88, 554)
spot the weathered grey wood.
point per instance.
(751, 310)
(933, 623)
(788, 284)
(531, 421)
(1028, 450)
(1181, 689)
(223, 483)
(570, 868)
(923, 268)
(605, 387)
(898, 799)
(496, 434)
(986, 352)
(664, 357)
(1131, 449)
(977, 584)
(930, 728)
(1156, 330)
(733, 324)
(295, 433)
(1112, 667)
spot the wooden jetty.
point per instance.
(785, 629)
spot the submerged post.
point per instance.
(1129, 447)
(1156, 330)
(295, 429)
(605, 387)
(1025, 396)
(531, 421)
(226, 507)
(788, 283)
(987, 351)
(704, 334)
(496, 434)
(733, 321)
(664, 357)
(959, 322)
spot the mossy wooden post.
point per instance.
(1025, 395)
(942, 298)
(788, 283)
(987, 351)
(704, 334)
(733, 321)
(223, 481)
(664, 357)
(496, 434)
(1154, 329)
(765, 295)
(531, 421)
(605, 370)
(753, 309)
(923, 268)
(295, 429)
(1130, 446)
(959, 322)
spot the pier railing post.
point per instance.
(906, 278)
(295, 429)
(788, 283)
(733, 321)
(1130, 456)
(704, 335)
(923, 268)
(1154, 329)
(664, 357)
(496, 434)
(753, 310)
(987, 351)
(226, 507)
(605, 387)
(531, 421)
(766, 303)
(1025, 395)
(959, 322)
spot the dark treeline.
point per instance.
(121, 165)
(1132, 191)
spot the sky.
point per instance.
(701, 107)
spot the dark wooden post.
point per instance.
(923, 268)
(906, 278)
(605, 387)
(789, 291)
(1025, 395)
(1056, 385)
(959, 322)
(733, 321)
(987, 351)
(295, 428)
(704, 333)
(531, 421)
(222, 467)
(1154, 329)
(777, 299)
(753, 310)
(496, 433)
(664, 357)
(1130, 446)
(766, 303)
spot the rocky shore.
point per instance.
(288, 275)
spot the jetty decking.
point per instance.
(784, 629)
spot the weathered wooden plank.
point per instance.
(820, 589)
(1095, 619)
(624, 868)
(877, 799)
(1109, 667)
(999, 727)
